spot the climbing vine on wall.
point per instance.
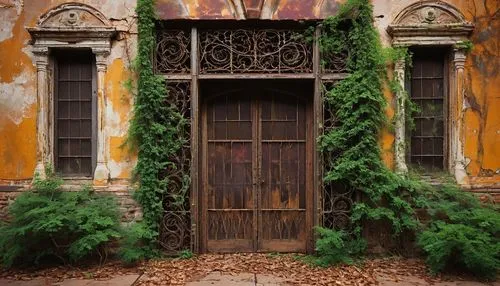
(155, 129)
(359, 105)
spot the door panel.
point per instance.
(230, 179)
(257, 171)
(283, 173)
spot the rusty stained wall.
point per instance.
(18, 86)
(246, 9)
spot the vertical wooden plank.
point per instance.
(203, 229)
(446, 115)
(257, 217)
(195, 168)
(317, 129)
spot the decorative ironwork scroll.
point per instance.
(172, 54)
(335, 62)
(337, 198)
(254, 51)
(175, 228)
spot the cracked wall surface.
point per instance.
(480, 115)
(481, 109)
(18, 86)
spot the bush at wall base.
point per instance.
(49, 224)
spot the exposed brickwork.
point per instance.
(6, 198)
(129, 209)
(488, 194)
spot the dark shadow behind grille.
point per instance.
(427, 91)
(74, 113)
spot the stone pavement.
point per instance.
(226, 279)
(124, 280)
(242, 279)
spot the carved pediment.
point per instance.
(73, 15)
(429, 13)
(72, 22)
(429, 22)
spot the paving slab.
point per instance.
(34, 282)
(409, 280)
(269, 280)
(124, 280)
(225, 279)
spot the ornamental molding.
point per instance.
(74, 22)
(429, 22)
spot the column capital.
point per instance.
(41, 58)
(459, 57)
(400, 65)
(101, 58)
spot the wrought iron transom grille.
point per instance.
(254, 51)
(173, 50)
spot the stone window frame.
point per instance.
(70, 26)
(433, 23)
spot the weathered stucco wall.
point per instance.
(18, 86)
(481, 116)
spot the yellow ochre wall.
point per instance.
(481, 114)
(18, 86)
(18, 79)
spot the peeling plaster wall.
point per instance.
(481, 115)
(18, 86)
(481, 109)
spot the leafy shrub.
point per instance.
(461, 233)
(138, 243)
(186, 254)
(337, 247)
(47, 222)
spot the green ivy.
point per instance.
(359, 108)
(458, 229)
(154, 129)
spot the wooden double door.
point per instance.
(257, 167)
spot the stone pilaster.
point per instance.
(400, 144)
(457, 159)
(42, 128)
(101, 174)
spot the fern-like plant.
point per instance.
(337, 247)
(462, 232)
(47, 222)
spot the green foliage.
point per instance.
(138, 243)
(358, 104)
(461, 232)
(337, 247)
(186, 254)
(155, 131)
(466, 45)
(48, 222)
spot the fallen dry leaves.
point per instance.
(292, 270)
(286, 266)
(59, 273)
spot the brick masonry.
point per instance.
(129, 208)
